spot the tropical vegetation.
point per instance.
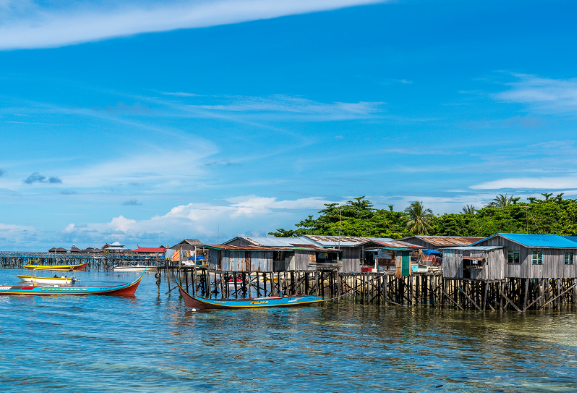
(359, 217)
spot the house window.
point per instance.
(449, 253)
(569, 257)
(513, 257)
(537, 257)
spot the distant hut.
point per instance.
(150, 250)
(188, 245)
(115, 247)
(61, 250)
(74, 250)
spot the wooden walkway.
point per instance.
(17, 259)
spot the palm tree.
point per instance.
(469, 209)
(501, 201)
(418, 218)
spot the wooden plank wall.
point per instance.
(452, 265)
(492, 267)
(241, 261)
(351, 259)
(303, 259)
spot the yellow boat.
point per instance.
(81, 266)
(47, 280)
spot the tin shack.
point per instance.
(474, 262)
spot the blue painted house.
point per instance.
(534, 256)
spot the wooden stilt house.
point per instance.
(534, 256)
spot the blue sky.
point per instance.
(148, 122)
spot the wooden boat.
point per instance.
(201, 303)
(48, 280)
(135, 268)
(35, 290)
(81, 266)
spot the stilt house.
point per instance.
(292, 253)
(231, 258)
(534, 256)
(345, 253)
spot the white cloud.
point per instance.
(295, 106)
(544, 95)
(258, 205)
(196, 220)
(182, 162)
(70, 228)
(549, 183)
(17, 237)
(34, 25)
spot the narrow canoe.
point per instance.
(201, 303)
(47, 280)
(81, 266)
(116, 290)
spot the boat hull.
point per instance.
(81, 266)
(134, 268)
(46, 280)
(116, 290)
(263, 302)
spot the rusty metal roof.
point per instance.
(343, 241)
(264, 241)
(244, 248)
(447, 241)
(396, 244)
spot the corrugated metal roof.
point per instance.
(572, 238)
(447, 241)
(536, 241)
(320, 241)
(474, 248)
(277, 241)
(343, 241)
(396, 244)
(243, 248)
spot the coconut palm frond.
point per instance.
(418, 219)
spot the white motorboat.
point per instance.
(134, 268)
(63, 280)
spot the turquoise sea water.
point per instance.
(153, 343)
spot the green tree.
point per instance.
(418, 219)
(358, 217)
(469, 209)
(501, 201)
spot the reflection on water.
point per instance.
(152, 343)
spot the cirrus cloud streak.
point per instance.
(34, 26)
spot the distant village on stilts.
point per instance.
(505, 271)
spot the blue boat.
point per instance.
(36, 290)
(201, 303)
